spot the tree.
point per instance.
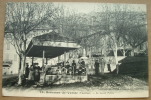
(123, 26)
(21, 19)
(137, 33)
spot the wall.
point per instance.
(10, 54)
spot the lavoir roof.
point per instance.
(52, 43)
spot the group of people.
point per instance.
(74, 68)
(32, 73)
(101, 65)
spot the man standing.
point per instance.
(82, 69)
(96, 65)
(27, 71)
(102, 65)
(31, 75)
(109, 66)
(67, 67)
(36, 73)
(74, 67)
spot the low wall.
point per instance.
(61, 79)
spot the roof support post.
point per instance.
(43, 57)
(46, 61)
(58, 59)
(64, 56)
(32, 60)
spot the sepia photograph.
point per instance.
(75, 50)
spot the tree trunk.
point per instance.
(116, 60)
(132, 52)
(19, 75)
(21, 70)
(19, 63)
(124, 52)
(22, 63)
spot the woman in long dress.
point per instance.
(36, 73)
(31, 73)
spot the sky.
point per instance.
(90, 7)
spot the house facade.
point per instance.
(10, 59)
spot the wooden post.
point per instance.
(32, 62)
(64, 56)
(46, 61)
(43, 57)
(90, 60)
(58, 59)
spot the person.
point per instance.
(31, 73)
(102, 65)
(59, 70)
(96, 65)
(108, 66)
(27, 71)
(62, 64)
(63, 72)
(74, 66)
(67, 67)
(82, 63)
(82, 67)
(36, 73)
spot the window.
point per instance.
(8, 46)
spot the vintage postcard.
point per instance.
(75, 50)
